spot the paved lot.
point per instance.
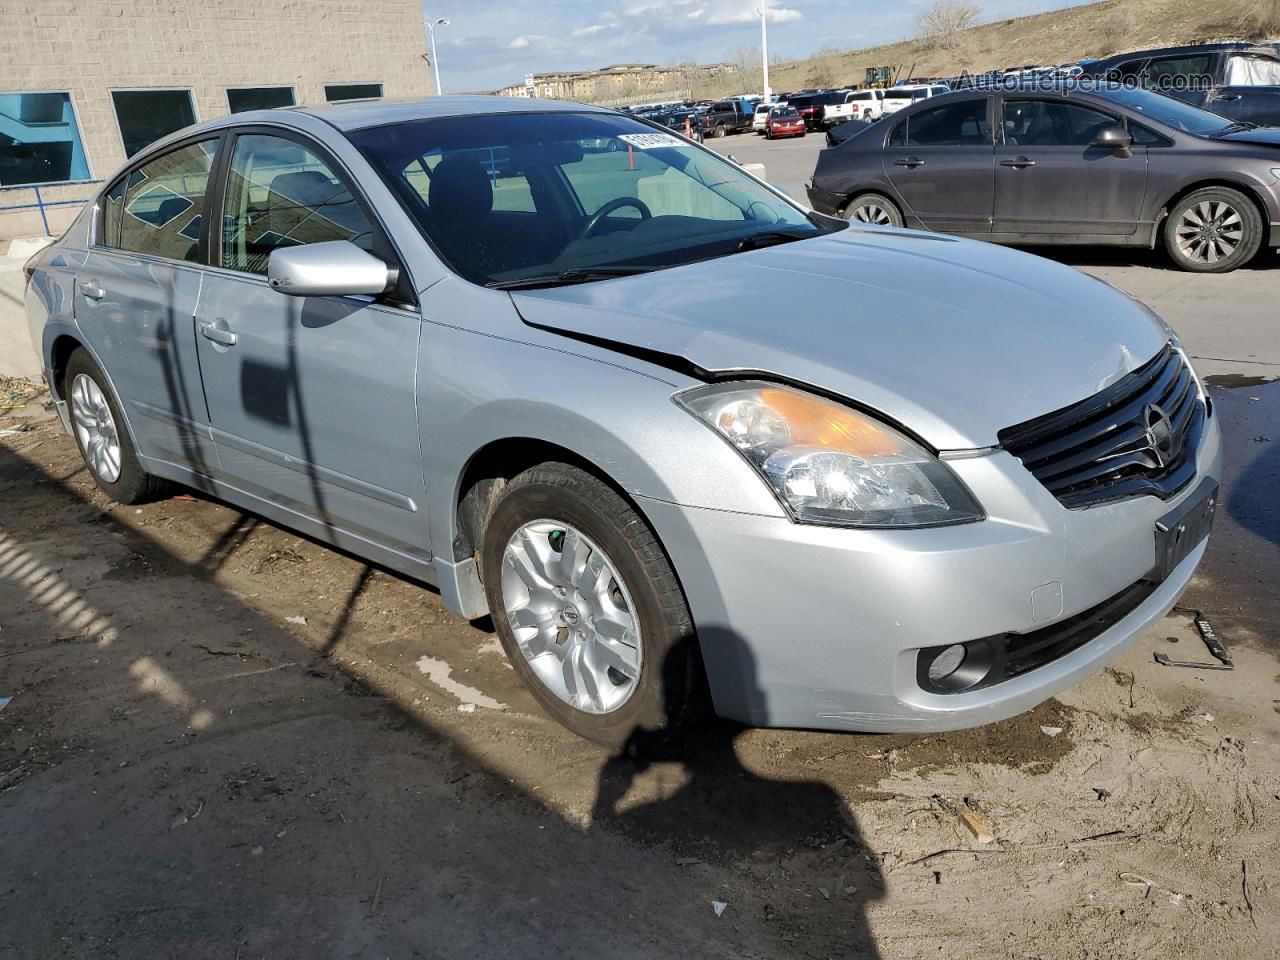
(1230, 323)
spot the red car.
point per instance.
(784, 122)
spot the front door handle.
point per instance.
(1019, 162)
(90, 289)
(218, 332)
(909, 162)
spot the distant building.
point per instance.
(618, 82)
(85, 83)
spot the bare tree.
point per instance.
(937, 27)
(826, 67)
(746, 61)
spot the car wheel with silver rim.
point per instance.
(102, 435)
(587, 606)
(1213, 230)
(873, 209)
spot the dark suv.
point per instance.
(728, 116)
(1239, 81)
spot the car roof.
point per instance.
(1232, 46)
(358, 114)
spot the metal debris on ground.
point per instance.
(5, 701)
(1051, 731)
(20, 428)
(1216, 647)
(718, 906)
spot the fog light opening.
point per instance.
(946, 663)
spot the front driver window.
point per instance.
(1047, 123)
(281, 194)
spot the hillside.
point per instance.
(1094, 30)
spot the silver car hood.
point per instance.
(953, 339)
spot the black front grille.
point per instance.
(1138, 436)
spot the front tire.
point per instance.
(873, 209)
(101, 435)
(588, 608)
(1213, 230)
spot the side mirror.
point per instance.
(1114, 137)
(337, 268)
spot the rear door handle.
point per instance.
(90, 289)
(218, 332)
(1020, 162)
(910, 162)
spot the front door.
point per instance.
(939, 161)
(1052, 181)
(136, 296)
(311, 399)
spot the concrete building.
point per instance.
(84, 83)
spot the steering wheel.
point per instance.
(615, 204)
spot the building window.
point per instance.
(333, 92)
(145, 116)
(240, 99)
(39, 140)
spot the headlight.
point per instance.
(827, 463)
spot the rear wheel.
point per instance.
(719, 131)
(588, 607)
(874, 209)
(100, 433)
(1213, 230)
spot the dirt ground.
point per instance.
(227, 741)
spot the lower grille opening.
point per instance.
(991, 660)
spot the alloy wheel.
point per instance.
(95, 428)
(572, 616)
(1209, 232)
(870, 213)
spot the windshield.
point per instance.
(785, 113)
(1166, 110)
(509, 197)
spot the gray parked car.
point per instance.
(1112, 166)
(672, 431)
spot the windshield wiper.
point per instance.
(767, 238)
(566, 277)
(1237, 125)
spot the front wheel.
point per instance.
(1213, 230)
(588, 607)
(874, 209)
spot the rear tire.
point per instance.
(719, 131)
(567, 613)
(872, 209)
(1213, 230)
(102, 435)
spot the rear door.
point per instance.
(940, 160)
(1052, 181)
(136, 297)
(311, 399)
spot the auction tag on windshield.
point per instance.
(650, 141)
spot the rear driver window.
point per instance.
(163, 204)
(952, 124)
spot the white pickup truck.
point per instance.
(856, 105)
(895, 98)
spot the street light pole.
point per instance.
(764, 48)
(435, 64)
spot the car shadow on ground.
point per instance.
(1153, 259)
(189, 748)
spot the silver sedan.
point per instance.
(684, 439)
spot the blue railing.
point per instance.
(41, 204)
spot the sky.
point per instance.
(491, 43)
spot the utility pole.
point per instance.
(764, 48)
